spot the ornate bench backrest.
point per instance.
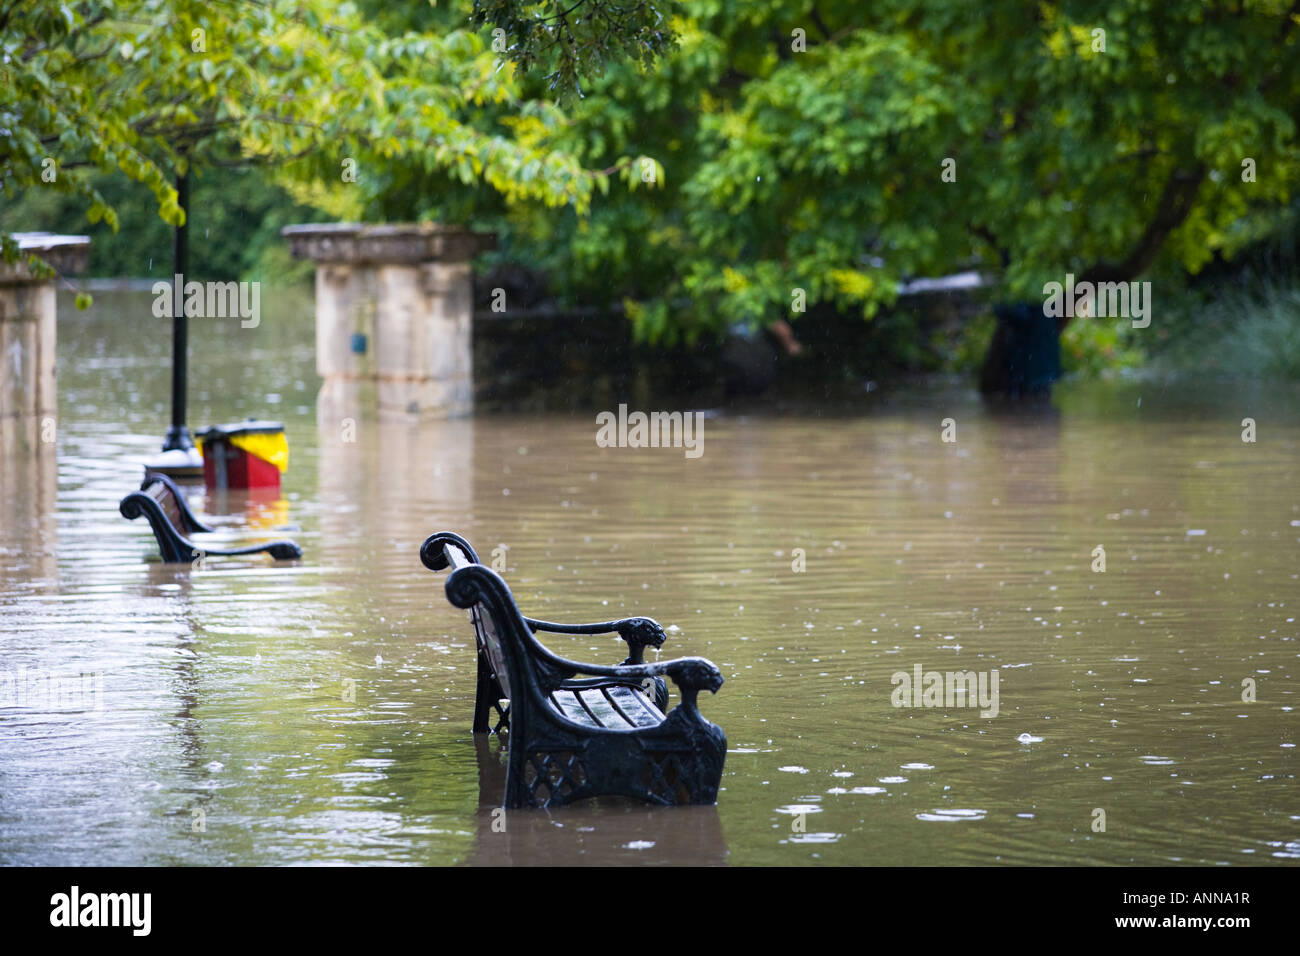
(166, 499)
(169, 497)
(459, 554)
(490, 643)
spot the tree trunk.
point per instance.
(1015, 364)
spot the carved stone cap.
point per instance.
(407, 242)
(67, 255)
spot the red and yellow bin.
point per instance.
(249, 454)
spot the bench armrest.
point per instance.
(638, 632)
(472, 584)
(693, 673)
(690, 674)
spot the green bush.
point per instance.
(1248, 330)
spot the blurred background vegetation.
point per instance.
(789, 145)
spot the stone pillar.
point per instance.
(394, 314)
(29, 403)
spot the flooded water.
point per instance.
(319, 711)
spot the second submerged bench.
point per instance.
(163, 505)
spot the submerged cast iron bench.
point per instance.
(162, 503)
(573, 737)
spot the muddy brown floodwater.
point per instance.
(319, 711)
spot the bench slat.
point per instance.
(639, 711)
(605, 713)
(567, 703)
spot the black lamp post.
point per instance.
(178, 436)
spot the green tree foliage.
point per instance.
(569, 40)
(234, 232)
(144, 88)
(774, 153)
(802, 145)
